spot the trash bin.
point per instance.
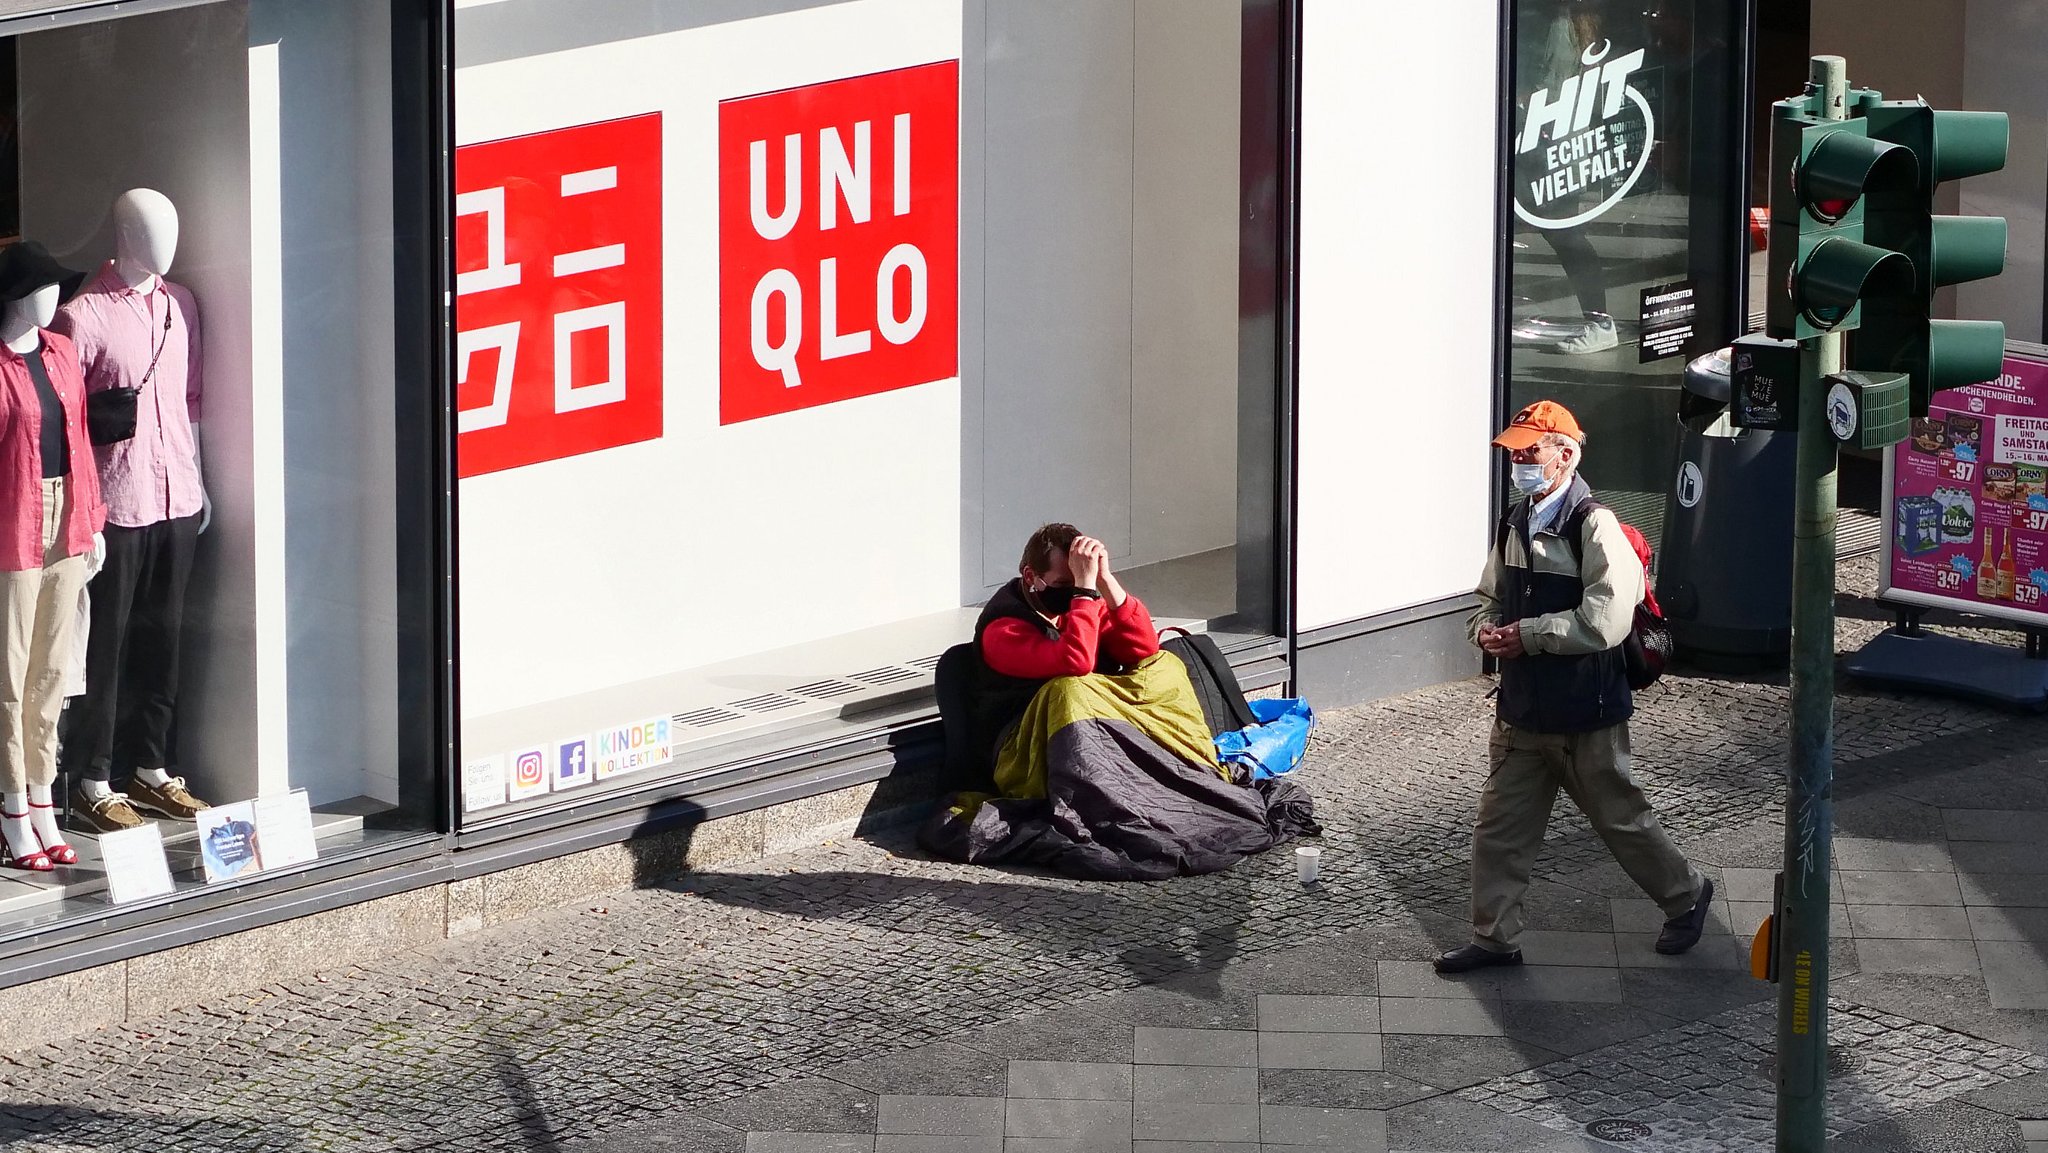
(1724, 574)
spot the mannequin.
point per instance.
(138, 332)
(52, 545)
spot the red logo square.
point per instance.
(558, 260)
(839, 240)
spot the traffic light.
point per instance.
(1822, 265)
(1899, 334)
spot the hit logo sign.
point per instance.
(558, 286)
(839, 240)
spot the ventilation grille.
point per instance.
(826, 690)
(706, 717)
(811, 693)
(887, 675)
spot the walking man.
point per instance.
(1556, 601)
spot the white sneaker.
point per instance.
(1599, 336)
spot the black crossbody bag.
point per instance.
(110, 412)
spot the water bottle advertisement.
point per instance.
(1968, 514)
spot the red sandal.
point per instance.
(36, 862)
(59, 853)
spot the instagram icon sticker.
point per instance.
(529, 776)
(572, 763)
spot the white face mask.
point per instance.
(1528, 479)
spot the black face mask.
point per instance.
(1055, 601)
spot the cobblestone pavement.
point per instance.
(856, 996)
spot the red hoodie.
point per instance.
(1020, 648)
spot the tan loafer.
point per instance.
(108, 814)
(168, 799)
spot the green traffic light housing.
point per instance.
(1839, 165)
(1821, 267)
(1899, 334)
(1836, 274)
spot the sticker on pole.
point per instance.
(1842, 412)
(1585, 139)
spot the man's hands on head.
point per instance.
(1504, 641)
(1088, 560)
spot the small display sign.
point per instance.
(136, 866)
(284, 830)
(227, 840)
(1668, 312)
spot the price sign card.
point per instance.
(227, 840)
(135, 862)
(284, 830)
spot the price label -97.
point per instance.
(1959, 470)
(2030, 519)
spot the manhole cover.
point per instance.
(1616, 1129)
(1842, 1061)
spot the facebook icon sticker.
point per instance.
(572, 764)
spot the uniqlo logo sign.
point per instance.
(558, 285)
(839, 240)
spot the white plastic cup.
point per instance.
(1308, 861)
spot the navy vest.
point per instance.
(998, 700)
(1553, 692)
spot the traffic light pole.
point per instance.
(1809, 797)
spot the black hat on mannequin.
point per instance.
(28, 266)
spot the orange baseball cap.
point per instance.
(1530, 424)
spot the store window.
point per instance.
(215, 304)
(1626, 194)
(769, 361)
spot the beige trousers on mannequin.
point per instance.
(39, 613)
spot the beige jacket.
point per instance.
(1612, 575)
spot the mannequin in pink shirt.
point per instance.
(137, 331)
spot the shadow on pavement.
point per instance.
(1055, 917)
(22, 1127)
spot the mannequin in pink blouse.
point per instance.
(55, 549)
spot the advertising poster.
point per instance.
(1968, 514)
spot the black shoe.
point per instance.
(1683, 931)
(1466, 958)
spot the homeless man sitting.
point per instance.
(1102, 762)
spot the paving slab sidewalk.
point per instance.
(857, 996)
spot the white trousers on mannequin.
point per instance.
(38, 624)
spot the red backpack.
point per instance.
(1648, 646)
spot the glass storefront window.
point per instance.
(214, 304)
(1627, 226)
(769, 362)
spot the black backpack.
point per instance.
(1216, 687)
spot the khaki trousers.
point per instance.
(1526, 771)
(39, 615)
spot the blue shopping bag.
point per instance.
(1276, 744)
